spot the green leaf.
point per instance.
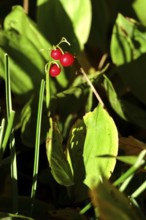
(112, 204)
(65, 21)
(23, 42)
(18, 20)
(128, 40)
(138, 6)
(101, 138)
(113, 97)
(59, 165)
(128, 109)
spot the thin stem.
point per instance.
(2, 128)
(47, 68)
(26, 6)
(92, 87)
(130, 172)
(10, 135)
(86, 208)
(37, 142)
(14, 172)
(8, 87)
(7, 133)
(138, 191)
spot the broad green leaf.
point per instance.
(35, 49)
(128, 40)
(82, 22)
(112, 203)
(101, 138)
(138, 6)
(129, 110)
(65, 21)
(18, 20)
(59, 165)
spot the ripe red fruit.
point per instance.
(67, 59)
(54, 70)
(56, 54)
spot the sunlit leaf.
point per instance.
(138, 6)
(128, 40)
(101, 138)
(65, 21)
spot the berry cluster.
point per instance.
(66, 59)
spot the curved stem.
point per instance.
(92, 87)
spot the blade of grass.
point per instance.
(37, 142)
(47, 68)
(8, 87)
(86, 208)
(2, 128)
(127, 176)
(139, 190)
(11, 137)
(7, 133)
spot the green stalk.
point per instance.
(37, 142)
(8, 87)
(127, 176)
(2, 128)
(86, 208)
(7, 133)
(138, 191)
(10, 117)
(47, 67)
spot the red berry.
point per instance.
(54, 70)
(67, 59)
(56, 54)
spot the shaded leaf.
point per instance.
(128, 40)
(65, 22)
(40, 210)
(75, 147)
(113, 97)
(133, 76)
(59, 165)
(127, 109)
(112, 204)
(98, 32)
(131, 145)
(18, 20)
